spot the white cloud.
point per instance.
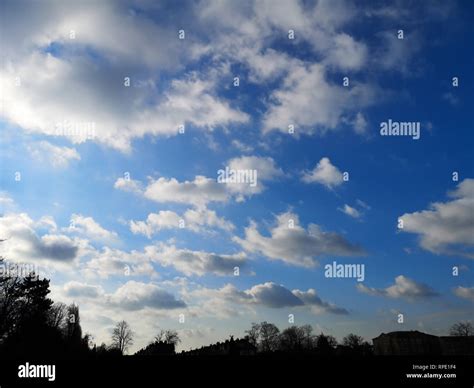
(88, 227)
(395, 54)
(6, 201)
(346, 53)
(266, 170)
(128, 184)
(242, 147)
(58, 157)
(47, 222)
(324, 173)
(121, 35)
(23, 244)
(51, 21)
(291, 243)
(311, 298)
(131, 296)
(313, 105)
(267, 294)
(198, 192)
(75, 289)
(273, 295)
(465, 292)
(203, 190)
(350, 211)
(447, 227)
(197, 220)
(199, 263)
(266, 166)
(80, 113)
(355, 212)
(155, 222)
(403, 288)
(360, 124)
(137, 295)
(115, 262)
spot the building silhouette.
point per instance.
(230, 347)
(416, 343)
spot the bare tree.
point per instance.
(269, 335)
(325, 342)
(462, 329)
(57, 315)
(253, 334)
(10, 305)
(306, 332)
(353, 341)
(291, 339)
(168, 337)
(122, 336)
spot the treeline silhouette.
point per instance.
(33, 326)
(266, 339)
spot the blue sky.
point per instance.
(97, 210)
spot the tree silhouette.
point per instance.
(168, 337)
(296, 338)
(269, 337)
(73, 326)
(9, 301)
(122, 336)
(462, 329)
(30, 323)
(353, 341)
(57, 315)
(253, 334)
(325, 343)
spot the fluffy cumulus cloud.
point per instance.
(240, 178)
(313, 105)
(198, 192)
(136, 295)
(263, 169)
(131, 296)
(94, 48)
(110, 262)
(24, 244)
(269, 295)
(75, 289)
(403, 288)
(311, 298)
(293, 244)
(129, 185)
(90, 228)
(465, 292)
(324, 173)
(79, 111)
(191, 262)
(446, 227)
(273, 295)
